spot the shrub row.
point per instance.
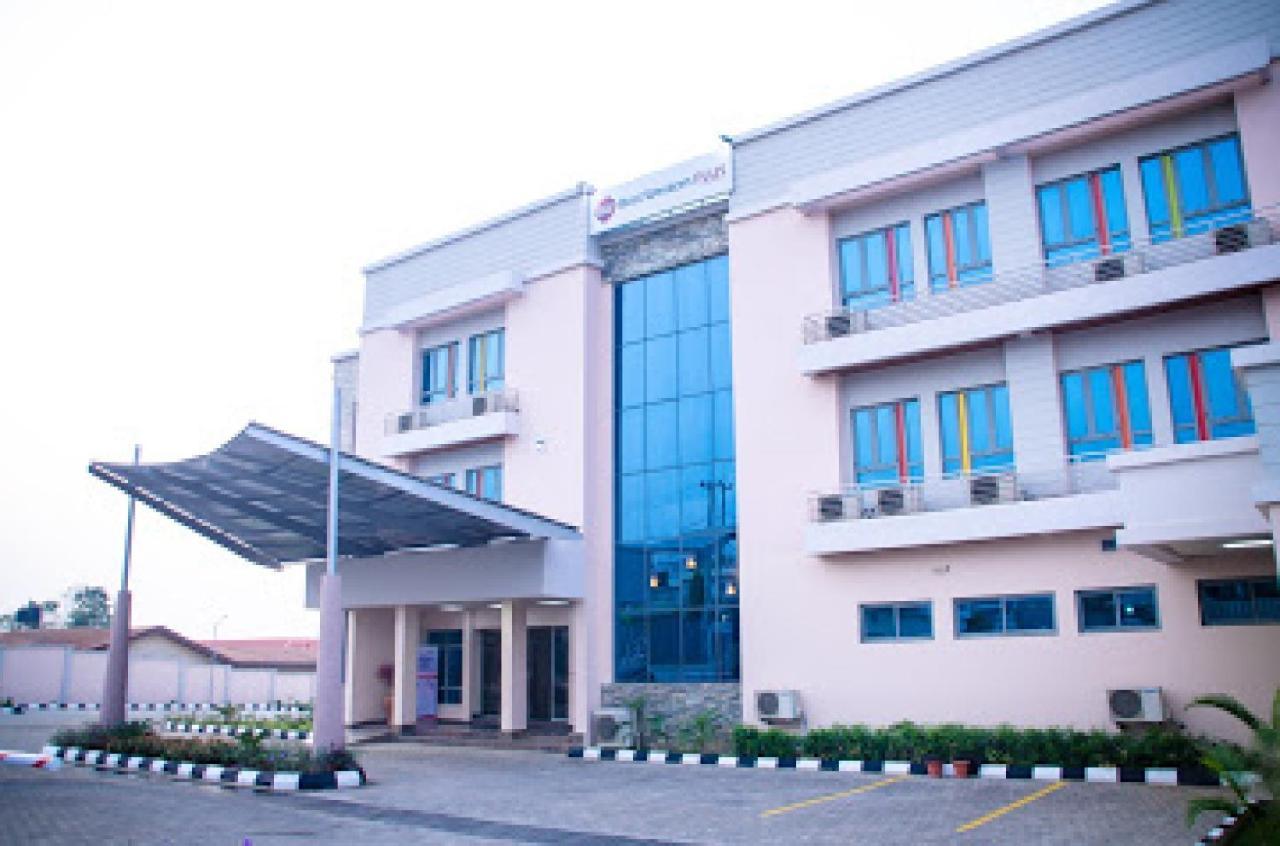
(137, 739)
(906, 741)
(282, 723)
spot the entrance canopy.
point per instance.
(264, 496)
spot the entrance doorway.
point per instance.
(548, 673)
(547, 668)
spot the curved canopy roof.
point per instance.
(264, 496)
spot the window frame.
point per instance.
(1254, 620)
(1177, 225)
(953, 272)
(1004, 600)
(1072, 251)
(1121, 410)
(993, 430)
(908, 472)
(453, 367)
(899, 286)
(1198, 384)
(896, 607)
(448, 480)
(1118, 625)
(481, 383)
(475, 484)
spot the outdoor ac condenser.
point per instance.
(613, 728)
(778, 705)
(1136, 705)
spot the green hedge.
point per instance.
(137, 739)
(907, 741)
(282, 723)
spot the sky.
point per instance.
(188, 191)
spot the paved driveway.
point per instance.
(441, 795)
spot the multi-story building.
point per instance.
(963, 404)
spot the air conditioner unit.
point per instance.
(989, 490)
(778, 705)
(479, 405)
(1117, 267)
(613, 728)
(404, 422)
(1241, 236)
(1136, 705)
(830, 507)
(892, 501)
(838, 325)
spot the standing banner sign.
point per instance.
(428, 685)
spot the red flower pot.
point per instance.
(961, 768)
(933, 768)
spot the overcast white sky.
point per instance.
(188, 191)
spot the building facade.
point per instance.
(956, 400)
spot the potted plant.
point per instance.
(933, 766)
(387, 675)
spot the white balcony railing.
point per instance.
(449, 410)
(975, 490)
(1260, 228)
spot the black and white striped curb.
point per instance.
(1136, 775)
(232, 730)
(1226, 826)
(13, 709)
(265, 708)
(39, 760)
(209, 773)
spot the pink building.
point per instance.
(955, 400)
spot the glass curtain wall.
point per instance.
(676, 573)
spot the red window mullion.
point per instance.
(1122, 406)
(1197, 396)
(891, 246)
(949, 237)
(1100, 213)
(900, 430)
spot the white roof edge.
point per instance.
(581, 189)
(345, 355)
(1021, 42)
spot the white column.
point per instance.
(579, 668)
(1035, 405)
(930, 447)
(1011, 213)
(404, 707)
(1135, 207)
(920, 258)
(348, 689)
(515, 683)
(1158, 400)
(468, 663)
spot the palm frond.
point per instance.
(1206, 804)
(1230, 705)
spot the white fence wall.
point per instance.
(60, 674)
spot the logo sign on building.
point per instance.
(686, 185)
(428, 680)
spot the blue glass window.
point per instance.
(959, 247)
(875, 268)
(485, 482)
(1083, 217)
(676, 589)
(897, 621)
(1106, 409)
(439, 373)
(448, 643)
(1118, 609)
(886, 443)
(976, 430)
(1000, 615)
(1195, 188)
(1239, 602)
(1206, 397)
(486, 365)
(445, 479)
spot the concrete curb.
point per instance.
(1226, 827)
(40, 761)
(265, 708)
(236, 731)
(284, 782)
(1127, 775)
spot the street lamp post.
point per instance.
(115, 686)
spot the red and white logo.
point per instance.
(605, 208)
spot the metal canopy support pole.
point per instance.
(329, 731)
(115, 686)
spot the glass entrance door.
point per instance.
(490, 673)
(548, 672)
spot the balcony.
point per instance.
(1186, 500)
(954, 509)
(1232, 257)
(461, 420)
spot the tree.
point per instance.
(90, 608)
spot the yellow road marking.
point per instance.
(818, 800)
(1012, 806)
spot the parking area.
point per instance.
(436, 794)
